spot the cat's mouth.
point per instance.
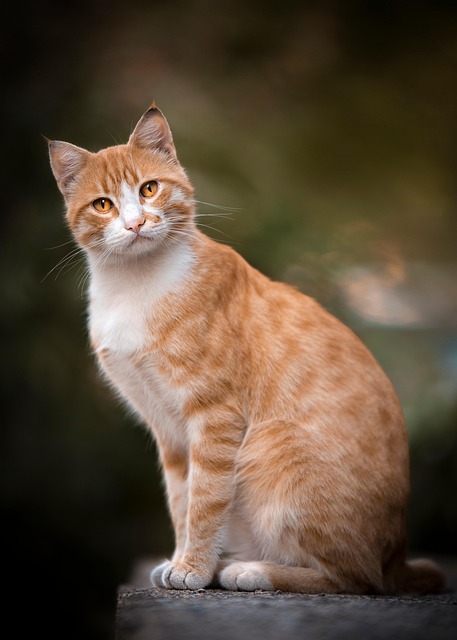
(138, 240)
(137, 237)
(142, 238)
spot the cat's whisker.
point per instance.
(71, 259)
(103, 257)
(65, 268)
(218, 206)
(173, 237)
(63, 262)
(229, 240)
(209, 226)
(58, 246)
(188, 234)
(201, 239)
(203, 214)
(171, 241)
(86, 271)
(83, 275)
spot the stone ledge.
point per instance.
(144, 613)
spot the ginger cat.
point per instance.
(282, 442)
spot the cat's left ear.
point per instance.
(152, 133)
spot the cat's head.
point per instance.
(127, 199)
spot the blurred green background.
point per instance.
(329, 131)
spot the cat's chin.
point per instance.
(134, 248)
(140, 245)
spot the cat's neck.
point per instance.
(124, 295)
(153, 273)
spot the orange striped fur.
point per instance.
(282, 442)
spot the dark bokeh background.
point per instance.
(329, 128)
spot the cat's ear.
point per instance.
(153, 133)
(67, 161)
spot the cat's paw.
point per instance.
(157, 572)
(180, 575)
(245, 576)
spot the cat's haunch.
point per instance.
(282, 442)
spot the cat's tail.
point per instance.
(419, 577)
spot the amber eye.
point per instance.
(149, 189)
(103, 205)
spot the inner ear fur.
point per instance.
(153, 133)
(67, 161)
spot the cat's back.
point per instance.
(302, 358)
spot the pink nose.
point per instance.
(135, 225)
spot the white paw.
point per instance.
(180, 575)
(156, 574)
(245, 576)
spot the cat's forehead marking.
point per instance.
(115, 168)
(130, 208)
(128, 193)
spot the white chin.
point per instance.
(140, 245)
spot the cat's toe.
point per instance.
(182, 576)
(156, 575)
(195, 581)
(245, 576)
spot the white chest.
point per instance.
(148, 393)
(122, 309)
(123, 299)
(120, 320)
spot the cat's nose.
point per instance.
(135, 225)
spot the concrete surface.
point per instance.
(144, 613)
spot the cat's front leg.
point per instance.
(211, 486)
(175, 469)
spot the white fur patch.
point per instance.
(245, 576)
(123, 299)
(131, 229)
(130, 208)
(123, 296)
(157, 572)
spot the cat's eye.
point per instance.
(103, 205)
(149, 189)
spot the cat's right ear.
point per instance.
(67, 161)
(152, 133)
